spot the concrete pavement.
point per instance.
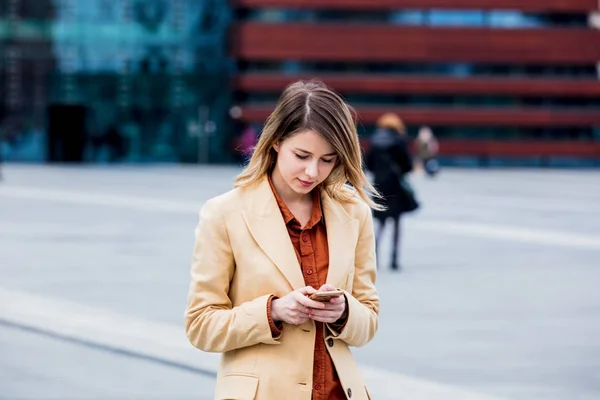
(498, 296)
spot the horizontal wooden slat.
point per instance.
(512, 148)
(502, 148)
(461, 116)
(364, 42)
(390, 84)
(521, 148)
(364, 5)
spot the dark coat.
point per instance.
(389, 160)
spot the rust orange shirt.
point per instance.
(312, 250)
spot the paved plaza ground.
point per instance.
(499, 296)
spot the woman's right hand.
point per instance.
(293, 308)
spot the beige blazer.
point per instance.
(242, 255)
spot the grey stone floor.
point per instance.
(35, 366)
(499, 291)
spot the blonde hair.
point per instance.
(313, 106)
(391, 121)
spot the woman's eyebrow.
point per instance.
(308, 152)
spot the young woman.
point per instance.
(291, 227)
(389, 159)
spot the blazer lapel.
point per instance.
(265, 222)
(342, 236)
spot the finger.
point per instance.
(337, 300)
(335, 314)
(325, 314)
(301, 313)
(297, 308)
(327, 288)
(308, 303)
(338, 310)
(335, 303)
(307, 290)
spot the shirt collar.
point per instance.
(317, 212)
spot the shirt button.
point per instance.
(318, 387)
(330, 342)
(304, 238)
(309, 272)
(349, 391)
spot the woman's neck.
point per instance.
(287, 194)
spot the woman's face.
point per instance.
(303, 161)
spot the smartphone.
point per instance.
(326, 296)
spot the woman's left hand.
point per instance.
(334, 308)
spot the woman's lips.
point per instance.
(305, 183)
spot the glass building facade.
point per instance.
(114, 80)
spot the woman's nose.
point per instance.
(312, 170)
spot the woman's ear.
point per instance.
(276, 147)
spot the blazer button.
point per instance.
(349, 391)
(330, 342)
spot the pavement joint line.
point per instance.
(511, 233)
(466, 228)
(128, 335)
(105, 348)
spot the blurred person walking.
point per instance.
(427, 149)
(389, 160)
(290, 228)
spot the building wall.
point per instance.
(256, 64)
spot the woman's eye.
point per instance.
(328, 161)
(301, 157)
